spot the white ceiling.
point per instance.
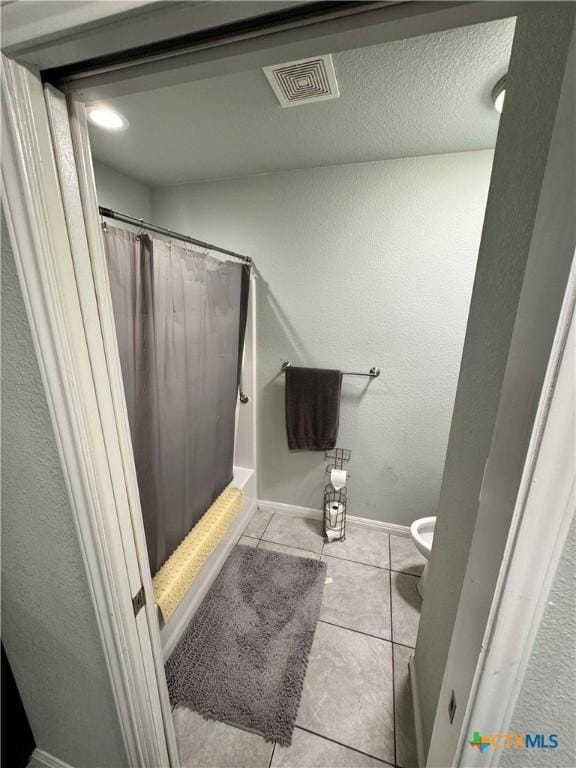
(421, 96)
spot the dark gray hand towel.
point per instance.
(312, 408)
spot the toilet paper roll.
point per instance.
(334, 510)
(338, 478)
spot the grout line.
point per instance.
(371, 565)
(341, 744)
(281, 544)
(393, 678)
(406, 573)
(357, 631)
(390, 570)
(323, 554)
(402, 645)
(272, 755)
(266, 526)
(367, 634)
(357, 562)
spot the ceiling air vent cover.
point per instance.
(303, 81)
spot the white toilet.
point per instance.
(422, 532)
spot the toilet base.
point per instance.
(421, 586)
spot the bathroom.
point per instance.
(273, 257)
(364, 230)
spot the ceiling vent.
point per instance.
(303, 81)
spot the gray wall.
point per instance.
(359, 265)
(546, 702)
(48, 624)
(120, 192)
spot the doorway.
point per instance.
(84, 191)
(238, 169)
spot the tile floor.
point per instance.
(356, 709)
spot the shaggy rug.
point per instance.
(243, 657)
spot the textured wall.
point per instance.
(546, 703)
(359, 265)
(48, 623)
(120, 192)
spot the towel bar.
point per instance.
(373, 373)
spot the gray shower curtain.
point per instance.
(180, 319)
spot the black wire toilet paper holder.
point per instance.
(334, 518)
(335, 499)
(340, 457)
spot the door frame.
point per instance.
(69, 128)
(66, 340)
(545, 509)
(62, 335)
(506, 531)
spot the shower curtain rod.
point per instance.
(108, 213)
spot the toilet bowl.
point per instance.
(422, 532)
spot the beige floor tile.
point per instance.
(209, 744)
(348, 692)
(283, 549)
(406, 605)
(357, 596)
(405, 556)
(258, 523)
(301, 532)
(363, 545)
(310, 751)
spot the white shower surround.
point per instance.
(358, 265)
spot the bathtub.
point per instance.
(170, 633)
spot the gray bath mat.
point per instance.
(243, 657)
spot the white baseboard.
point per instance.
(417, 713)
(316, 514)
(44, 758)
(393, 528)
(290, 509)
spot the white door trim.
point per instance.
(74, 167)
(541, 322)
(417, 713)
(42, 253)
(110, 376)
(545, 509)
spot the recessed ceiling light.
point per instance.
(108, 118)
(499, 93)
